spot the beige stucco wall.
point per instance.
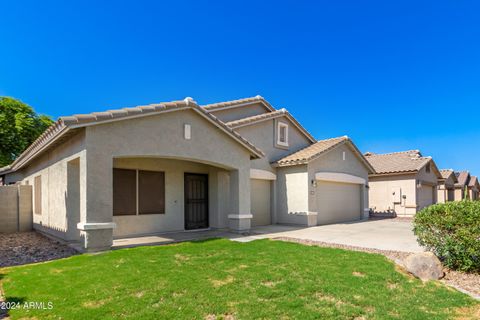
(161, 136)
(381, 188)
(173, 218)
(263, 135)
(52, 167)
(473, 194)
(332, 161)
(292, 195)
(236, 113)
(445, 190)
(380, 194)
(260, 200)
(15, 208)
(459, 194)
(429, 182)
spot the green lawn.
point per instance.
(260, 279)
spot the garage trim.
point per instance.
(262, 174)
(339, 177)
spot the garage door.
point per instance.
(260, 202)
(425, 196)
(338, 202)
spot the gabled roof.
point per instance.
(319, 148)
(410, 161)
(463, 177)
(238, 103)
(473, 182)
(268, 116)
(447, 173)
(65, 125)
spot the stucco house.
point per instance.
(446, 186)
(473, 188)
(462, 185)
(178, 166)
(403, 182)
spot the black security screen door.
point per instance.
(196, 201)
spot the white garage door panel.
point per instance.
(425, 196)
(338, 202)
(260, 202)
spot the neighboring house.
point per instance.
(404, 182)
(473, 188)
(179, 166)
(463, 178)
(446, 186)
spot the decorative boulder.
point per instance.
(425, 266)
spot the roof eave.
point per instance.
(393, 173)
(279, 115)
(65, 124)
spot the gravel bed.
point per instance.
(29, 247)
(469, 282)
(465, 282)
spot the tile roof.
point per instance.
(473, 181)
(256, 118)
(267, 116)
(397, 162)
(65, 125)
(462, 177)
(220, 105)
(315, 150)
(446, 173)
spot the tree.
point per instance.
(467, 194)
(19, 127)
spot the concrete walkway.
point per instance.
(388, 234)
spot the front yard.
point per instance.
(223, 279)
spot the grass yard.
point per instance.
(224, 279)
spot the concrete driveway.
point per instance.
(387, 234)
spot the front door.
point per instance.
(196, 201)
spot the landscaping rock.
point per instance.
(30, 247)
(425, 266)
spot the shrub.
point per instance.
(452, 231)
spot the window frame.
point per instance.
(282, 125)
(116, 214)
(37, 193)
(137, 193)
(162, 190)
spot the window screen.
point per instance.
(283, 134)
(124, 192)
(38, 194)
(151, 192)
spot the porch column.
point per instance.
(240, 216)
(96, 225)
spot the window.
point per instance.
(138, 192)
(427, 168)
(282, 134)
(151, 192)
(37, 193)
(124, 192)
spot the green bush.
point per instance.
(452, 231)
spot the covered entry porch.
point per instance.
(152, 195)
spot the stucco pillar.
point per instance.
(441, 194)
(365, 208)
(240, 216)
(96, 226)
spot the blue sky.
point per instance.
(393, 75)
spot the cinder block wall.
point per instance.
(15, 208)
